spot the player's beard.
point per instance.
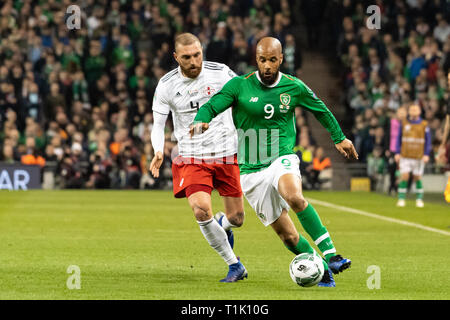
(268, 79)
(192, 71)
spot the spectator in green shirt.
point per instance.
(138, 75)
(123, 53)
(94, 65)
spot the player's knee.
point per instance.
(404, 177)
(237, 218)
(297, 202)
(290, 239)
(201, 212)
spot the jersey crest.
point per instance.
(209, 91)
(285, 99)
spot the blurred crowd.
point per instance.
(77, 102)
(405, 61)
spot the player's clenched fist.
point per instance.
(198, 128)
(156, 164)
(347, 149)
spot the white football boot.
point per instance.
(401, 203)
(419, 203)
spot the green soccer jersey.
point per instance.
(264, 116)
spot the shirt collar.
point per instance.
(273, 84)
(182, 76)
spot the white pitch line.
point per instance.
(377, 216)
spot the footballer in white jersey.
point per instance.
(204, 162)
(184, 96)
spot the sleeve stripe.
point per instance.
(250, 75)
(213, 64)
(169, 75)
(213, 68)
(288, 77)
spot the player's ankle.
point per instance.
(329, 256)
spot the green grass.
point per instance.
(147, 245)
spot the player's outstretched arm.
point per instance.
(326, 118)
(157, 137)
(220, 102)
(347, 149)
(156, 164)
(197, 128)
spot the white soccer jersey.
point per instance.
(184, 96)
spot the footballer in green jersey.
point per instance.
(264, 116)
(264, 105)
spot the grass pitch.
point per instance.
(147, 245)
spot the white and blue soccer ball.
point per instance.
(306, 269)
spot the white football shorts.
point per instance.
(261, 188)
(407, 165)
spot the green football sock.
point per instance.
(310, 220)
(302, 247)
(402, 188)
(419, 190)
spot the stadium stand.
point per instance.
(383, 71)
(78, 102)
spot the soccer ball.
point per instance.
(306, 269)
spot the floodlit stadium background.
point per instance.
(76, 84)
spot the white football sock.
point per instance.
(226, 224)
(218, 240)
